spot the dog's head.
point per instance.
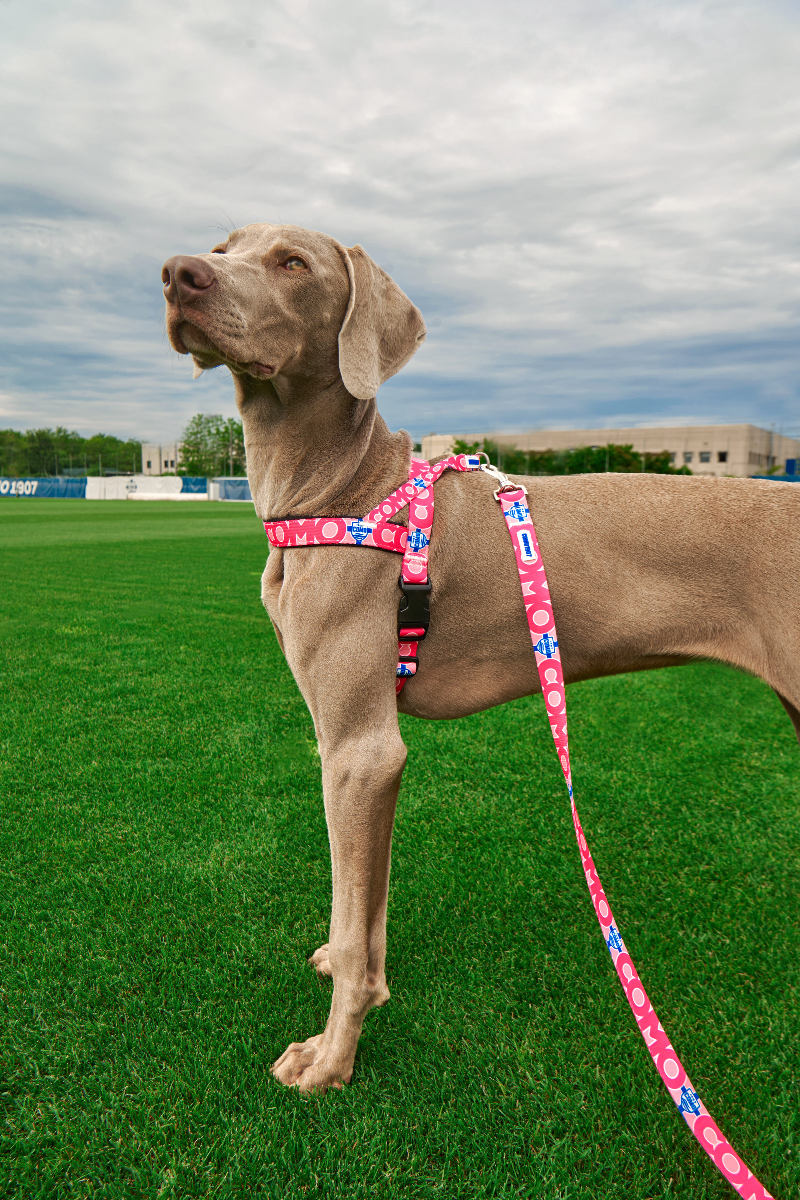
(280, 300)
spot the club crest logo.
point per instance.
(359, 531)
(525, 543)
(519, 511)
(690, 1101)
(417, 540)
(546, 645)
(473, 462)
(419, 482)
(614, 941)
(403, 669)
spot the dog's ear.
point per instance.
(381, 328)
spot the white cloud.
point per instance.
(595, 205)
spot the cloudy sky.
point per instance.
(594, 203)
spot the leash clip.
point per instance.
(505, 483)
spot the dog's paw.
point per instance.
(321, 961)
(305, 1066)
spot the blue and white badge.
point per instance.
(359, 530)
(519, 511)
(614, 941)
(546, 645)
(690, 1101)
(417, 540)
(525, 543)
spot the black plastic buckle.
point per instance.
(414, 611)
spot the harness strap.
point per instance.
(539, 612)
(414, 613)
(336, 531)
(378, 533)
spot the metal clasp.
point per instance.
(505, 483)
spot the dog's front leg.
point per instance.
(361, 778)
(348, 681)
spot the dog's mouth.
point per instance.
(188, 338)
(260, 370)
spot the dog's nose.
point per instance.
(185, 278)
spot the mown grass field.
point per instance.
(165, 873)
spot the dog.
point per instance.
(645, 571)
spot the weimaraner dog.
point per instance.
(645, 570)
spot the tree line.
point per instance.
(212, 445)
(580, 461)
(61, 451)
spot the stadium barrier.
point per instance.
(61, 486)
(129, 487)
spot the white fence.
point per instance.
(139, 487)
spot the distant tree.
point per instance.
(104, 452)
(213, 445)
(40, 458)
(462, 447)
(13, 452)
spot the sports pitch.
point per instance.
(165, 873)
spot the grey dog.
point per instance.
(645, 571)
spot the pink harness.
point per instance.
(376, 531)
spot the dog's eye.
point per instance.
(294, 264)
(218, 250)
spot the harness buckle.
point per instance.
(414, 611)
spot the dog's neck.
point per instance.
(316, 452)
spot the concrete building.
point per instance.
(705, 449)
(161, 460)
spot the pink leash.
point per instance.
(377, 532)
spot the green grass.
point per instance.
(165, 873)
